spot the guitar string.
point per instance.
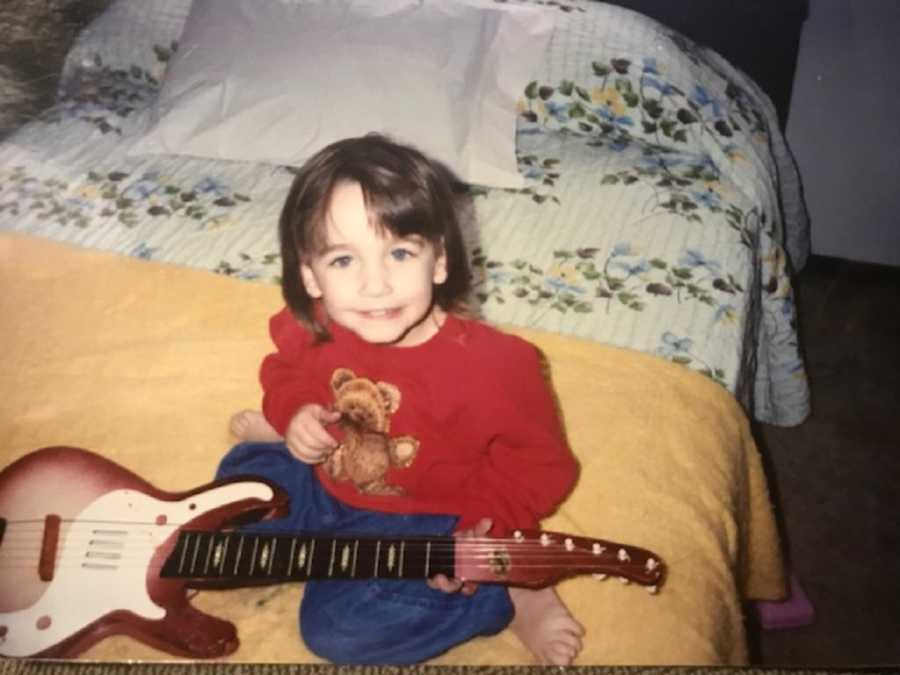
(467, 551)
(471, 551)
(68, 526)
(73, 535)
(97, 539)
(615, 568)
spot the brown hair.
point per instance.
(405, 193)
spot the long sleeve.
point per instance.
(286, 374)
(528, 468)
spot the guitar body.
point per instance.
(81, 549)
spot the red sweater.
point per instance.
(490, 442)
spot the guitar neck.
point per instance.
(530, 558)
(256, 557)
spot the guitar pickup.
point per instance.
(49, 547)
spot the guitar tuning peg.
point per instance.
(597, 549)
(545, 539)
(599, 577)
(570, 545)
(624, 581)
(652, 590)
(623, 555)
(518, 536)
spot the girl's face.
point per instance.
(377, 285)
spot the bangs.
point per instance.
(396, 206)
(403, 210)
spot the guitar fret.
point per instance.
(345, 558)
(271, 554)
(377, 558)
(391, 557)
(309, 561)
(301, 558)
(209, 550)
(196, 551)
(331, 561)
(427, 558)
(224, 555)
(237, 556)
(355, 553)
(252, 569)
(184, 548)
(290, 558)
(402, 556)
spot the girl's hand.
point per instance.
(441, 582)
(306, 436)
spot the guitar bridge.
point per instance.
(499, 562)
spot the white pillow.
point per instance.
(276, 81)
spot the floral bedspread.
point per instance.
(661, 211)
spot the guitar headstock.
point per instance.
(537, 558)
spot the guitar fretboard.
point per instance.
(276, 557)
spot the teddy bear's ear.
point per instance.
(390, 394)
(340, 377)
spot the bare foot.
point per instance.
(545, 626)
(250, 425)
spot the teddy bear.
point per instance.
(367, 451)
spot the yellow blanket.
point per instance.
(143, 363)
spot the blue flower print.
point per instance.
(631, 269)
(660, 162)
(560, 285)
(650, 65)
(693, 258)
(622, 248)
(672, 345)
(663, 88)
(533, 172)
(143, 251)
(702, 99)
(143, 187)
(725, 313)
(558, 111)
(708, 198)
(619, 144)
(608, 114)
(212, 185)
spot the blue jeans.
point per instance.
(373, 622)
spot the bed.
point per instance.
(646, 244)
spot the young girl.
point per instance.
(374, 341)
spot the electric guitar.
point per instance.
(88, 550)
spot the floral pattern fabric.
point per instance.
(651, 216)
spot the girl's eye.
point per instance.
(401, 254)
(341, 261)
